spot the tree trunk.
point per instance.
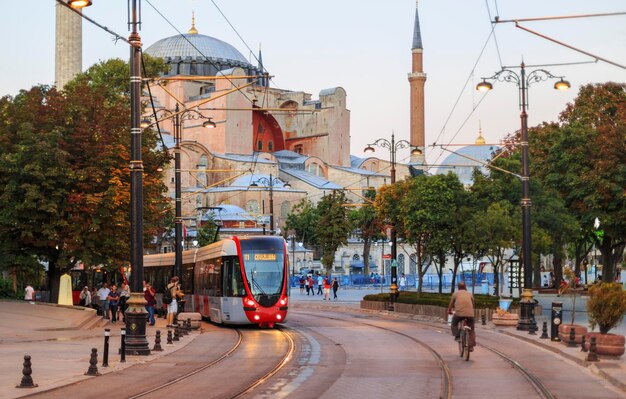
(611, 254)
(367, 245)
(558, 271)
(496, 279)
(442, 263)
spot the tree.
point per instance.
(333, 226)
(368, 226)
(584, 159)
(302, 220)
(64, 166)
(207, 233)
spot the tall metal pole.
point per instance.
(136, 312)
(271, 205)
(293, 255)
(393, 288)
(178, 218)
(527, 311)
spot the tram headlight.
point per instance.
(249, 302)
(278, 317)
(257, 317)
(283, 302)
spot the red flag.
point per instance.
(184, 231)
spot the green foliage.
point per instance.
(303, 220)
(333, 226)
(6, 289)
(606, 306)
(437, 299)
(206, 233)
(368, 226)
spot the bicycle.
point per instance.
(464, 339)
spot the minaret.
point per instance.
(69, 46)
(263, 81)
(417, 79)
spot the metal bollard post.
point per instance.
(592, 356)
(105, 356)
(27, 380)
(157, 342)
(169, 337)
(483, 319)
(93, 363)
(123, 345)
(571, 342)
(188, 325)
(582, 346)
(176, 334)
(544, 331)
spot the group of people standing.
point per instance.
(112, 300)
(323, 283)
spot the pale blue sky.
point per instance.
(363, 46)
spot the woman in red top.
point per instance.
(150, 296)
(326, 289)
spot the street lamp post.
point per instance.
(178, 118)
(393, 146)
(527, 320)
(136, 343)
(270, 184)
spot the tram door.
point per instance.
(232, 280)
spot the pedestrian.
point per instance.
(29, 293)
(172, 307)
(545, 281)
(124, 297)
(113, 299)
(85, 297)
(402, 282)
(103, 294)
(326, 289)
(301, 282)
(150, 296)
(335, 288)
(320, 285)
(95, 300)
(311, 289)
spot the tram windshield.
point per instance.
(264, 268)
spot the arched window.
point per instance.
(298, 149)
(202, 166)
(284, 209)
(356, 257)
(198, 200)
(270, 146)
(259, 145)
(413, 264)
(400, 263)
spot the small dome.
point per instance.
(460, 164)
(195, 45)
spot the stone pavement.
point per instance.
(59, 340)
(611, 369)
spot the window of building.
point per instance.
(270, 146)
(298, 149)
(356, 257)
(259, 145)
(401, 264)
(252, 207)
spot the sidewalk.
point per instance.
(59, 340)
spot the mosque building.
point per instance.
(269, 148)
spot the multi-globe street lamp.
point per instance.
(523, 81)
(136, 342)
(270, 183)
(393, 146)
(178, 118)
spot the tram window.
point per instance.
(233, 282)
(187, 278)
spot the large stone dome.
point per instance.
(194, 46)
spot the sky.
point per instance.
(363, 46)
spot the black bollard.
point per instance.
(27, 380)
(176, 334)
(544, 331)
(188, 325)
(157, 342)
(123, 345)
(105, 356)
(169, 337)
(592, 356)
(582, 346)
(483, 319)
(93, 363)
(571, 342)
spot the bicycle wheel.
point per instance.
(466, 348)
(461, 347)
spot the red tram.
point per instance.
(240, 280)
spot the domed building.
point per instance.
(465, 160)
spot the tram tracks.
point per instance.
(240, 339)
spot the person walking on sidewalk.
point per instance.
(85, 297)
(103, 293)
(172, 307)
(402, 282)
(310, 286)
(335, 288)
(320, 285)
(113, 299)
(150, 296)
(326, 289)
(29, 293)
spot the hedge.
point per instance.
(436, 299)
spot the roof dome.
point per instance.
(195, 45)
(460, 164)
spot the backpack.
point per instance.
(167, 296)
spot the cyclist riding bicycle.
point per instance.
(462, 302)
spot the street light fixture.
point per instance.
(136, 342)
(270, 183)
(179, 117)
(393, 146)
(527, 320)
